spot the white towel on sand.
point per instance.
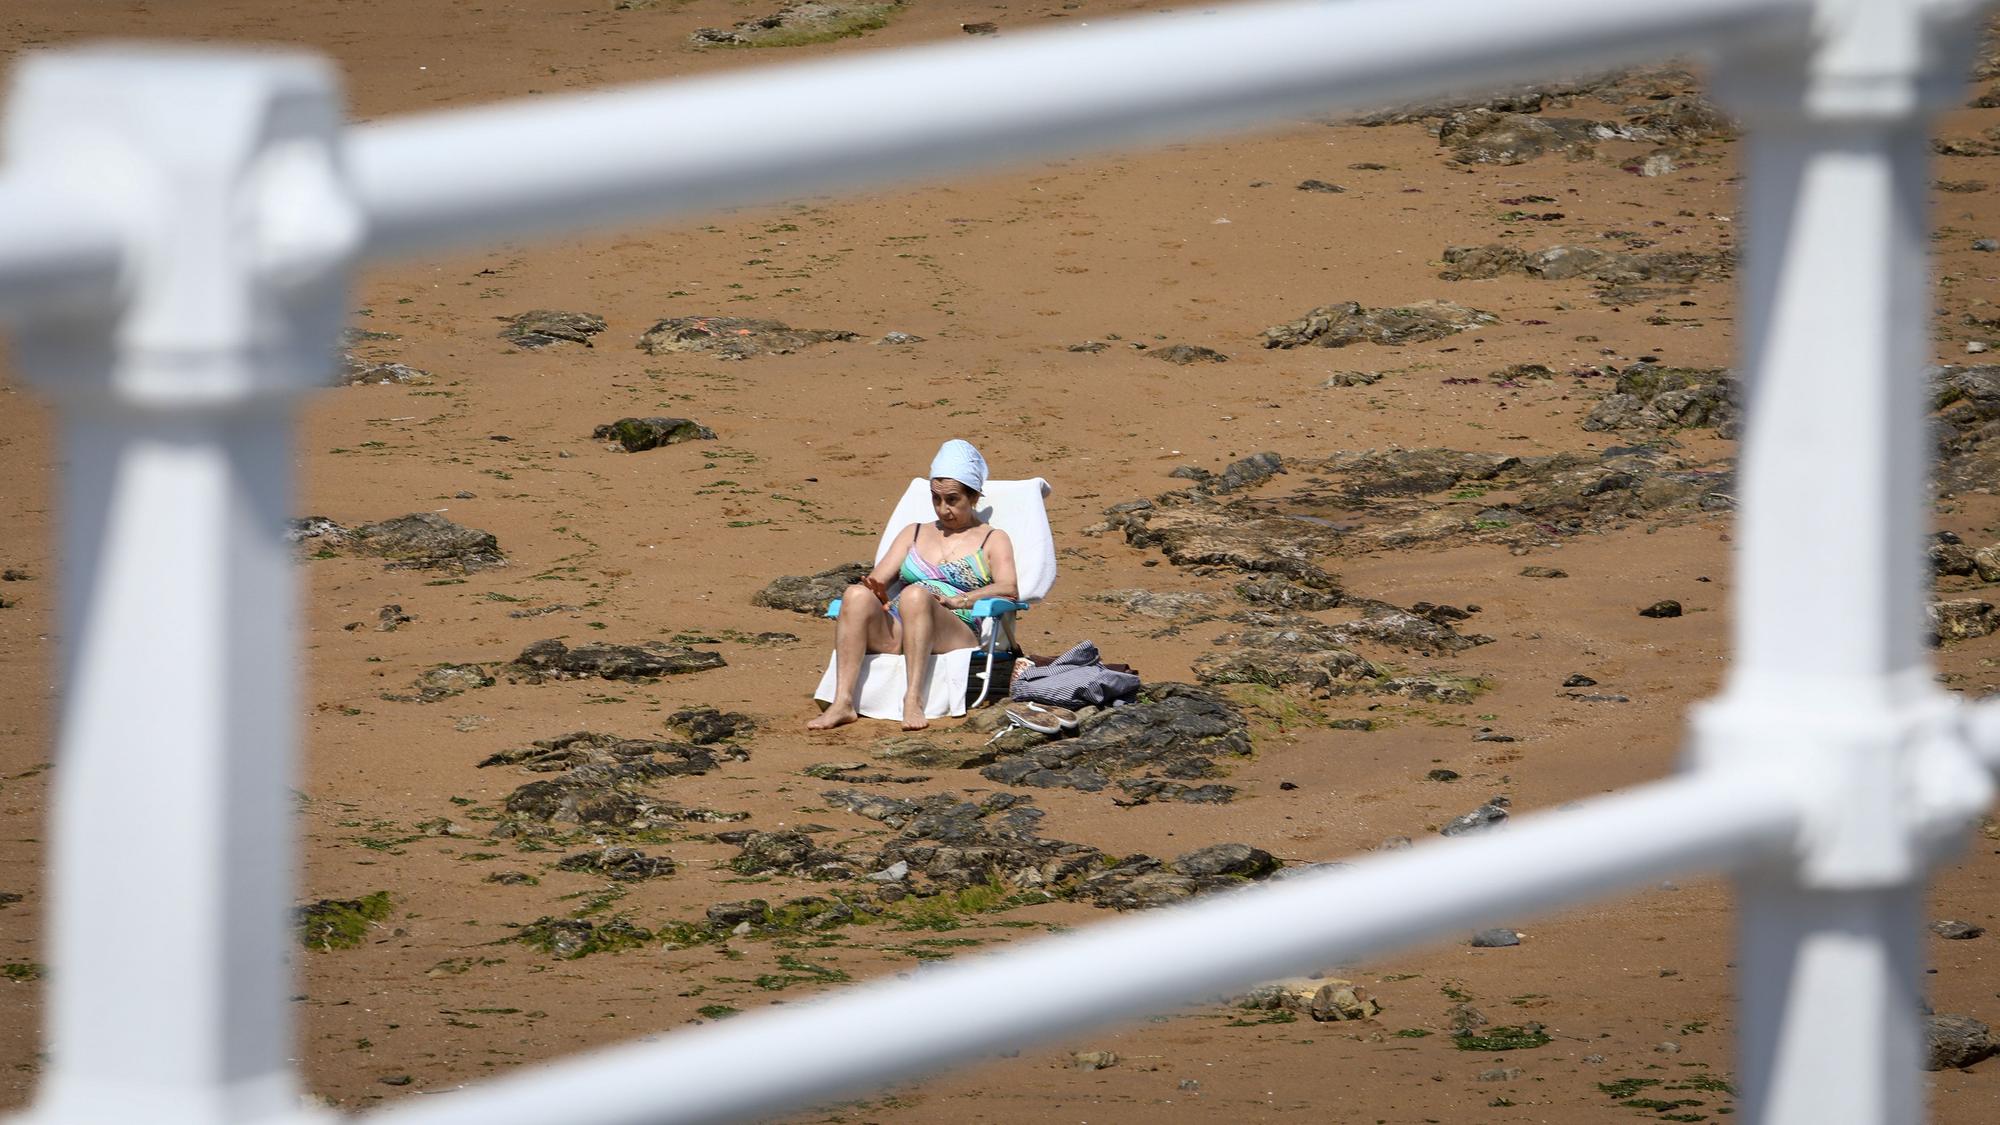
(884, 679)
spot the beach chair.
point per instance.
(1014, 506)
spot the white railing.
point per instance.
(176, 228)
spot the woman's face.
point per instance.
(953, 502)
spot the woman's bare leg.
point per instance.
(926, 623)
(863, 626)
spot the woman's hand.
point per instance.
(959, 601)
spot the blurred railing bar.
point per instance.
(869, 1034)
(55, 252)
(462, 176)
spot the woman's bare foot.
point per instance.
(836, 715)
(913, 714)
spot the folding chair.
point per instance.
(1013, 506)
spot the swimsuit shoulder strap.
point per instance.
(984, 538)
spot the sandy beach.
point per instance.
(1462, 526)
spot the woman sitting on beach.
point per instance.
(933, 612)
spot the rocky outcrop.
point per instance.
(1967, 423)
(790, 853)
(1648, 397)
(640, 434)
(951, 843)
(1141, 882)
(1280, 593)
(1336, 326)
(1961, 620)
(1647, 84)
(419, 541)
(1382, 624)
(1325, 671)
(626, 865)
(1325, 1001)
(732, 337)
(945, 843)
(1482, 136)
(1479, 263)
(706, 726)
(1375, 500)
(610, 756)
(810, 593)
(368, 373)
(1183, 354)
(1184, 608)
(553, 660)
(1687, 118)
(1245, 473)
(814, 21)
(1172, 735)
(1209, 536)
(539, 328)
(598, 782)
(1620, 276)
(1482, 819)
(442, 681)
(1951, 1042)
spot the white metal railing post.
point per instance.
(1830, 694)
(175, 379)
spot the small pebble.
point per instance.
(1988, 245)
(1442, 775)
(1495, 939)
(1665, 607)
(1953, 930)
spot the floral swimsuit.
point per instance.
(959, 576)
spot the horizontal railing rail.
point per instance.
(1316, 920)
(652, 151)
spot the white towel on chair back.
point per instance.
(1014, 506)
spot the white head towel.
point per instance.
(959, 461)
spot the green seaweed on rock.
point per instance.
(331, 924)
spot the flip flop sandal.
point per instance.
(1042, 719)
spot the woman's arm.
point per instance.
(999, 559)
(891, 565)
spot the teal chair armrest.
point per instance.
(997, 607)
(833, 608)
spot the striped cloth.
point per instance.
(1077, 678)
